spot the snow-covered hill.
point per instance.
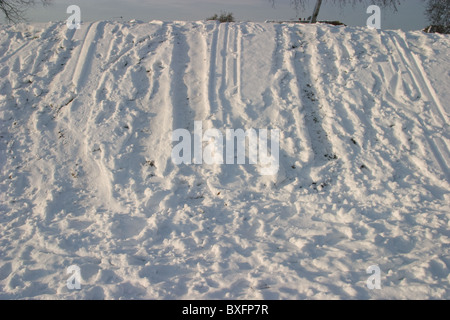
(86, 177)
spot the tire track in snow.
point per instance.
(63, 55)
(84, 33)
(212, 97)
(158, 171)
(111, 152)
(225, 77)
(28, 42)
(78, 119)
(238, 68)
(234, 83)
(288, 70)
(79, 115)
(237, 60)
(41, 56)
(436, 145)
(440, 109)
(23, 71)
(197, 71)
(356, 109)
(52, 196)
(160, 104)
(356, 128)
(156, 66)
(57, 74)
(331, 150)
(349, 124)
(179, 99)
(184, 185)
(38, 85)
(217, 73)
(230, 102)
(169, 99)
(125, 94)
(284, 105)
(86, 54)
(113, 73)
(39, 120)
(118, 49)
(396, 102)
(199, 84)
(394, 115)
(441, 119)
(183, 115)
(314, 102)
(240, 108)
(240, 49)
(197, 81)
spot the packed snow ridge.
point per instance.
(87, 179)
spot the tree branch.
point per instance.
(14, 10)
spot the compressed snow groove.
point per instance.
(87, 179)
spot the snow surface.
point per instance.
(86, 178)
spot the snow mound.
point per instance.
(86, 177)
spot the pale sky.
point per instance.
(409, 17)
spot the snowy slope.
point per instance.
(86, 177)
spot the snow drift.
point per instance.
(86, 177)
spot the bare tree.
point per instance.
(313, 19)
(14, 10)
(438, 12)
